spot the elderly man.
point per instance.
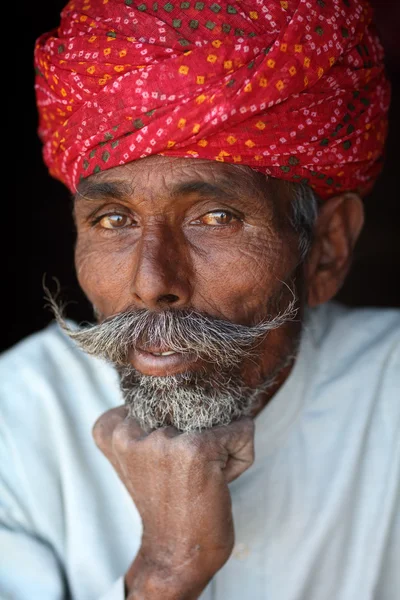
(249, 428)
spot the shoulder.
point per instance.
(51, 393)
(44, 351)
(46, 374)
(357, 355)
(355, 326)
(355, 334)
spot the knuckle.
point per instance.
(121, 440)
(246, 423)
(251, 456)
(248, 426)
(99, 434)
(157, 441)
(243, 429)
(103, 428)
(159, 435)
(192, 447)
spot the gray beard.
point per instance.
(214, 395)
(189, 401)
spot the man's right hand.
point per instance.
(179, 484)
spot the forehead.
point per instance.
(157, 176)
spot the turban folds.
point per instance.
(295, 89)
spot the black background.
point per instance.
(37, 226)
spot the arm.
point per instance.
(146, 581)
(179, 483)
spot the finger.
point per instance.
(125, 434)
(235, 435)
(166, 432)
(104, 427)
(241, 453)
(238, 441)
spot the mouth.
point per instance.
(160, 362)
(167, 353)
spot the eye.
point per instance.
(219, 217)
(115, 221)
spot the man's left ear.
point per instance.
(338, 226)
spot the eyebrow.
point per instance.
(120, 190)
(93, 190)
(226, 190)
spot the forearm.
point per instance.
(183, 500)
(148, 581)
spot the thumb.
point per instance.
(104, 428)
(237, 439)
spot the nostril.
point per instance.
(168, 299)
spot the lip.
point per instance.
(159, 366)
(154, 349)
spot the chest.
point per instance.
(302, 524)
(307, 531)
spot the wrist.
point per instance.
(150, 578)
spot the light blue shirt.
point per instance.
(317, 517)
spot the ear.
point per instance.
(338, 226)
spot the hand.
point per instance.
(179, 484)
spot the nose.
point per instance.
(161, 273)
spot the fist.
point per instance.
(179, 484)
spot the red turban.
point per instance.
(295, 89)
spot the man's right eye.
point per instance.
(114, 221)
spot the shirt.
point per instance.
(316, 516)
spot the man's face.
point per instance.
(165, 234)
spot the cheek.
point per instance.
(240, 274)
(272, 354)
(232, 276)
(104, 273)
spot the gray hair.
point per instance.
(211, 394)
(304, 215)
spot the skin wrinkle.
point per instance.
(241, 170)
(259, 255)
(246, 273)
(243, 272)
(95, 186)
(160, 237)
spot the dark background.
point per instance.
(38, 230)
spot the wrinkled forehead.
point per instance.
(157, 176)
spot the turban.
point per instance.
(294, 89)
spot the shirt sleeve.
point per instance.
(30, 569)
(29, 565)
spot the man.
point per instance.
(218, 154)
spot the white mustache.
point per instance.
(184, 331)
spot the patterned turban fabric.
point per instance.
(294, 89)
